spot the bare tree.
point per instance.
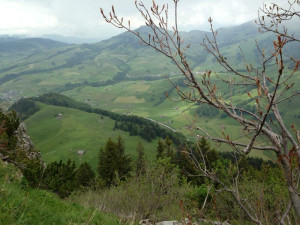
(267, 131)
(276, 16)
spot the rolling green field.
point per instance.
(77, 130)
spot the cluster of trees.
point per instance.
(129, 187)
(64, 177)
(137, 126)
(25, 108)
(206, 111)
(59, 177)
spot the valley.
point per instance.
(121, 76)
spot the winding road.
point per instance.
(162, 124)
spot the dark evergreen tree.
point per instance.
(107, 162)
(120, 145)
(33, 172)
(60, 178)
(85, 175)
(160, 151)
(190, 156)
(140, 162)
(168, 145)
(123, 161)
(112, 161)
(210, 154)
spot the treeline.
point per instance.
(136, 126)
(25, 108)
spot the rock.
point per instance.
(219, 223)
(24, 141)
(226, 223)
(169, 223)
(146, 222)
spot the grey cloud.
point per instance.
(82, 17)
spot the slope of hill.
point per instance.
(23, 205)
(14, 50)
(60, 138)
(60, 127)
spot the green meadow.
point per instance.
(60, 139)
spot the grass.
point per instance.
(21, 205)
(60, 139)
(129, 99)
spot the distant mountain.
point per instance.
(120, 57)
(15, 45)
(14, 49)
(70, 40)
(4, 39)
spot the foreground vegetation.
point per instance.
(169, 189)
(24, 205)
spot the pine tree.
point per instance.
(123, 161)
(85, 175)
(120, 145)
(210, 154)
(112, 161)
(140, 162)
(107, 163)
(168, 143)
(60, 178)
(160, 151)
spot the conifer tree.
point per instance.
(140, 162)
(85, 175)
(123, 161)
(112, 161)
(168, 143)
(120, 145)
(160, 151)
(60, 178)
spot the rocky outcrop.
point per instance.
(24, 141)
(24, 144)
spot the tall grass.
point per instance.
(21, 205)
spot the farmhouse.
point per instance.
(80, 152)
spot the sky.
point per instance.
(82, 18)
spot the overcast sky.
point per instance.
(81, 18)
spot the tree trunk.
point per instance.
(293, 193)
